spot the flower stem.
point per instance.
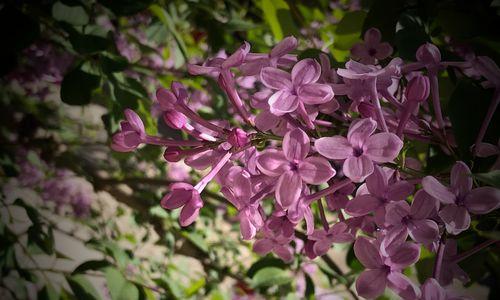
(376, 103)
(436, 103)
(464, 255)
(332, 188)
(487, 119)
(322, 215)
(156, 140)
(439, 259)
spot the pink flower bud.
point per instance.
(172, 154)
(174, 119)
(418, 89)
(428, 54)
(238, 138)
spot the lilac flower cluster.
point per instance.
(309, 131)
(60, 187)
(44, 67)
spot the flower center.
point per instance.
(372, 51)
(357, 151)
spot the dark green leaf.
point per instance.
(467, 109)
(95, 265)
(277, 15)
(77, 87)
(410, 36)
(74, 15)
(126, 7)
(351, 23)
(119, 287)
(491, 178)
(384, 15)
(111, 63)
(310, 290)
(82, 288)
(267, 261)
(270, 276)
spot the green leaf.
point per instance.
(119, 287)
(310, 290)
(267, 261)
(166, 19)
(196, 239)
(270, 276)
(491, 178)
(277, 15)
(351, 23)
(467, 109)
(194, 287)
(74, 15)
(352, 261)
(384, 15)
(126, 7)
(89, 43)
(410, 35)
(77, 87)
(82, 288)
(424, 268)
(48, 293)
(111, 63)
(95, 265)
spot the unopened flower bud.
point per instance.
(418, 89)
(238, 138)
(172, 154)
(428, 54)
(174, 119)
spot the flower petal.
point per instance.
(432, 290)
(305, 71)
(372, 36)
(424, 205)
(274, 78)
(272, 162)
(362, 205)
(315, 93)
(180, 194)
(367, 253)
(282, 102)
(316, 170)
(286, 45)
(247, 229)
(371, 283)
(456, 218)
(190, 211)
(482, 200)
(383, 147)
(321, 247)
(437, 190)
(403, 286)
(423, 231)
(377, 182)
(461, 179)
(263, 246)
(406, 254)
(360, 130)
(399, 190)
(395, 212)
(335, 147)
(357, 168)
(288, 189)
(296, 145)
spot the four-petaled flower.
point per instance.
(360, 149)
(372, 49)
(460, 199)
(296, 89)
(293, 167)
